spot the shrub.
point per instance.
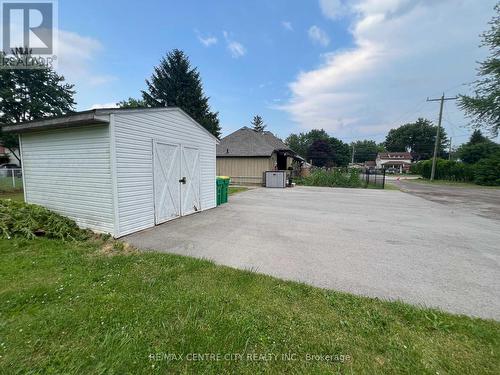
(487, 171)
(445, 170)
(332, 178)
(19, 219)
(416, 168)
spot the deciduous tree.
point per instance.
(338, 155)
(320, 153)
(418, 138)
(31, 94)
(132, 103)
(301, 142)
(365, 150)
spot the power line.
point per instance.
(417, 108)
(436, 143)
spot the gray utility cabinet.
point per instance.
(275, 179)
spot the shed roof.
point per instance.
(248, 142)
(85, 118)
(56, 122)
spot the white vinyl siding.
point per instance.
(68, 171)
(134, 134)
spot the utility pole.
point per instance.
(352, 159)
(449, 152)
(436, 143)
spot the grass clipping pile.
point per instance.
(22, 220)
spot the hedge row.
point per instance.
(484, 172)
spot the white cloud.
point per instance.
(235, 48)
(287, 25)
(208, 40)
(104, 105)
(403, 52)
(76, 56)
(333, 8)
(318, 36)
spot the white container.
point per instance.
(275, 179)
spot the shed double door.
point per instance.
(176, 174)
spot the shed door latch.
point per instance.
(183, 180)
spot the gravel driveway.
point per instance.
(380, 243)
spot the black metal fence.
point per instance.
(373, 178)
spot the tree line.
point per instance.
(323, 150)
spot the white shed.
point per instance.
(119, 170)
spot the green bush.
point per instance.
(19, 219)
(472, 153)
(487, 171)
(416, 168)
(445, 170)
(332, 178)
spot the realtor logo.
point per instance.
(28, 25)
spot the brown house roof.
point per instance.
(248, 142)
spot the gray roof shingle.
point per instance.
(248, 142)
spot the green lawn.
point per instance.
(451, 183)
(236, 189)
(85, 308)
(14, 195)
(9, 184)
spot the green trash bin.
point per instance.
(222, 184)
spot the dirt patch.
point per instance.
(111, 247)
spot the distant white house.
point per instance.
(398, 160)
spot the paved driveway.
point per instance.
(478, 200)
(379, 243)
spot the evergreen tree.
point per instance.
(175, 83)
(258, 123)
(484, 107)
(477, 137)
(31, 94)
(479, 147)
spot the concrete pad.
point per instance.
(379, 243)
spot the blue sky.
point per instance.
(356, 68)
